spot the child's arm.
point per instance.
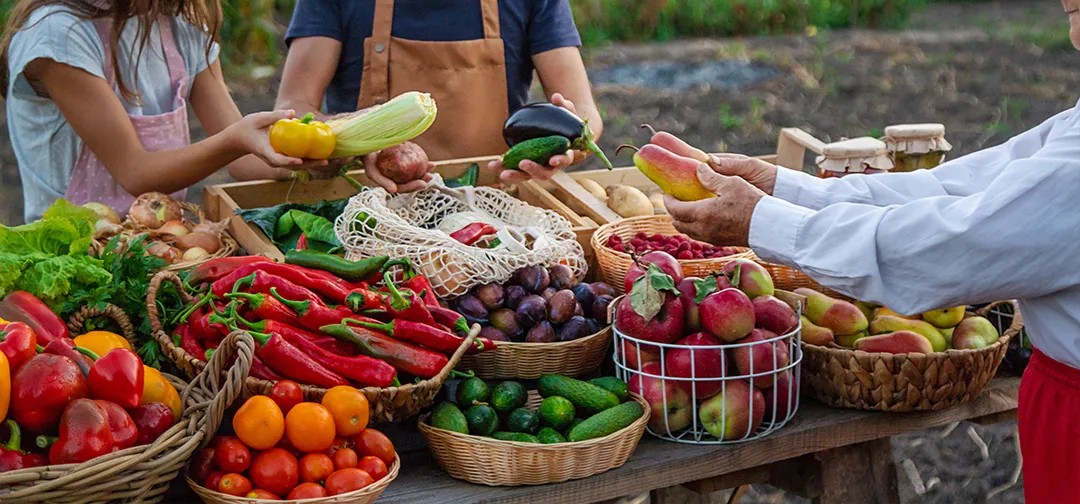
(96, 115)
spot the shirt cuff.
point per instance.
(800, 188)
(774, 229)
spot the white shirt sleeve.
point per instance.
(963, 176)
(193, 43)
(53, 33)
(1018, 238)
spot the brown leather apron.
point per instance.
(466, 78)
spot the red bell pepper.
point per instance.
(41, 389)
(472, 233)
(415, 282)
(264, 306)
(260, 370)
(260, 282)
(67, 348)
(21, 306)
(84, 433)
(408, 308)
(11, 455)
(362, 298)
(325, 284)
(214, 269)
(18, 343)
(152, 420)
(361, 368)
(118, 377)
(313, 314)
(403, 356)
(121, 425)
(427, 336)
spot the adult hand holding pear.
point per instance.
(725, 219)
(760, 174)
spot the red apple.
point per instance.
(665, 327)
(765, 357)
(663, 260)
(775, 315)
(786, 389)
(754, 279)
(728, 314)
(735, 413)
(697, 363)
(672, 408)
(649, 354)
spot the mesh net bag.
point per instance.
(377, 223)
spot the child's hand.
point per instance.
(252, 134)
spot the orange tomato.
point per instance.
(234, 484)
(259, 493)
(373, 466)
(344, 458)
(310, 427)
(347, 480)
(315, 467)
(373, 442)
(259, 423)
(307, 491)
(349, 407)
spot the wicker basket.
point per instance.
(528, 361)
(847, 378)
(363, 496)
(131, 230)
(388, 405)
(790, 279)
(78, 321)
(489, 461)
(143, 473)
(614, 265)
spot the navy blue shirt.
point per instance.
(527, 27)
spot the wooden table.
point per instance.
(832, 455)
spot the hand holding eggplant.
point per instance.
(722, 220)
(545, 120)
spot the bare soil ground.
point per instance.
(987, 71)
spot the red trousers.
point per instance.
(1049, 417)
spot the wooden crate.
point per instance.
(221, 202)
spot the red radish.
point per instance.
(403, 163)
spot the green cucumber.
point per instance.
(613, 385)
(523, 420)
(585, 396)
(508, 396)
(482, 420)
(539, 150)
(547, 435)
(447, 416)
(607, 422)
(557, 412)
(520, 437)
(472, 391)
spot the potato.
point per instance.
(402, 163)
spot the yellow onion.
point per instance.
(152, 210)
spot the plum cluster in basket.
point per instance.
(679, 246)
(538, 305)
(723, 352)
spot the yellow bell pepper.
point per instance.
(157, 389)
(101, 342)
(5, 386)
(2, 321)
(302, 138)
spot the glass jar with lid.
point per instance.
(863, 155)
(916, 146)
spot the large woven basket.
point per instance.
(77, 321)
(528, 361)
(790, 279)
(614, 265)
(388, 405)
(143, 473)
(847, 378)
(131, 230)
(488, 461)
(365, 495)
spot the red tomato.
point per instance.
(220, 439)
(287, 446)
(339, 443)
(234, 484)
(315, 467)
(287, 393)
(259, 493)
(373, 466)
(345, 458)
(307, 491)
(347, 480)
(202, 464)
(232, 455)
(213, 479)
(275, 470)
(373, 442)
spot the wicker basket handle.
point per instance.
(467, 343)
(78, 320)
(151, 297)
(220, 383)
(1017, 321)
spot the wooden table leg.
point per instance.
(863, 472)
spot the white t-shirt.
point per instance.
(45, 145)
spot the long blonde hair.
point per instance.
(204, 13)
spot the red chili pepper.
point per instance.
(292, 333)
(265, 307)
(41, 388)
(413, 281)
(124, 432)
(403, 356)
(84, 434)
(284, 358)
(411, 308)
(260, 282)
(301, 243)
(18, 343)
(260, 370)
(313, 314)
(472, 233)
(11, 455)
(362, 298)
(325, 284)
(118, 377)
(449, 318)
(67, 348)
(21, 306)
(189, 343)
(427, 336)
(361, 368)
(214, 269)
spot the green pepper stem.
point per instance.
(44, 441)
(14, 438)
(183, 316)
(87, 352)
(396, 382)
(40, 349)
(407, 269)
(308, 117)
(388, 327)
(243, 282)
(459, 374)
(397, 301)
(209, 353)
(255, 326)
(256, 300)
(300, 307)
